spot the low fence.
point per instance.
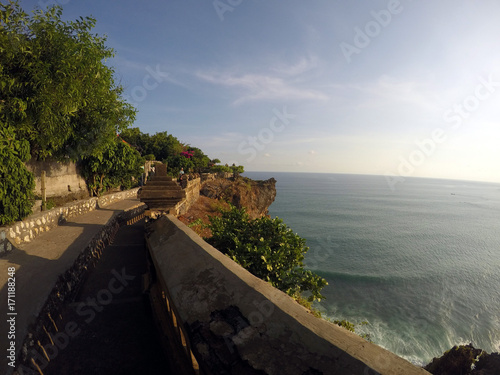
(32, 226)
(229, 321)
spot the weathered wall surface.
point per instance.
(62, 178)
(192, 190)
(239, 324)
(32, 226)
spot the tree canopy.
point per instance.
(16, 182)
(57, 92)
(58, 98)
(118, 165)
(166, 148)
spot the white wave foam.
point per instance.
(496, 346)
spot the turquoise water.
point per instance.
(420, 264)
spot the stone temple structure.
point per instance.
(161, 193)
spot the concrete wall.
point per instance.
(32, 226)
(62, 178)
(236, 323)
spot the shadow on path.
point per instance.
(109, 328)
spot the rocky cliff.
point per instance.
(255, 196)
(459, 360)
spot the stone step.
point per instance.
(161, 183)
(160, 178)
(161, 201)
(179, 194)
(161, 188)
(161, 204)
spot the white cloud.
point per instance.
(387, 91)
(261, 87)
(220, 140)
(302, 66)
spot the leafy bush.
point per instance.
(114, 167)
(16, 182)
(219, 168)
(268, 249)
(235, 169)
(55, 85)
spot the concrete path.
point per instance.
(38, 264)
(113, 325)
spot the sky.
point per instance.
(392, 88)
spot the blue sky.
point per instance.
(395, 88)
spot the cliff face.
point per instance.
(458, 360)
(255, 196)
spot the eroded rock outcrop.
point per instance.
(255, 196)
(460, 360)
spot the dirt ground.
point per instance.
(200, 211)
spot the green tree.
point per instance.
(57, 98)
(167, 148)
(119, 165)
(164, 146)
(268, 249)
(136, 138)
(16, 182)
(54, 73)
(237, 169)
(200, 160)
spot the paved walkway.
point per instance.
(117, 335)
(38, 264)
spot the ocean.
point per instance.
(419, 265)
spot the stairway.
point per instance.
(161, 193)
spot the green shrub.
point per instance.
(268, 249)
(114, 167)
(16, 182)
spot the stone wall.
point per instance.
(62, 178)
(235, 323)
(32, 226)
(192, 190)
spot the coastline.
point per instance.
(407, 256)
(319, 258)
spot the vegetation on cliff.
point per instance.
(251, 199)
(268, 249)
